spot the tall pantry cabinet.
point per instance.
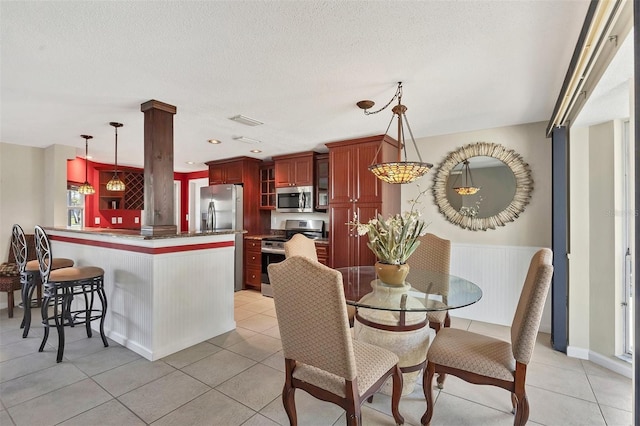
(355, 190)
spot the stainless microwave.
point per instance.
(296, 199)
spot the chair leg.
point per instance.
(447, 320)
(10, 303)
(28, 294)
(288, 393)
(396, 393)
(427, 387)
(435, 325)
(103, 300)
(522, 410)
(45, 320)
(440, 380)
(514, 403)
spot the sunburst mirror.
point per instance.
(502, 186)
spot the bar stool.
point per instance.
(60, 287)
(24, 249)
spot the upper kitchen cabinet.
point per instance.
(294, 169)
(245, 171)
(267, 186)
(351, 180)
(224, 172)
(355, 190)
(132, 198)
(322, 182)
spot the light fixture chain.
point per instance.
(398, 93)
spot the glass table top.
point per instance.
(423, 291)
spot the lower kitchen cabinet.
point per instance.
(322, 251)
(252, 263)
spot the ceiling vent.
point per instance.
(245, 139)
(246, 120)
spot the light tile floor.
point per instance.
(236, 379)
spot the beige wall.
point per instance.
(533, 227)
(579, 217)
(28, 178)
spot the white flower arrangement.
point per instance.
(394, 239)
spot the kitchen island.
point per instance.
(164, 293)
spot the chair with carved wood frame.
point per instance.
(321, 357)
(488, 361)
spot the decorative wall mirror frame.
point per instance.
(513, 160)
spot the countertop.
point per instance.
(323, 241)
(135, 234)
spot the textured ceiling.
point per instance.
(70, 68)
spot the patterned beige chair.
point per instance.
(487, 361)
(434, 254)
(321, 357)
(299, 245)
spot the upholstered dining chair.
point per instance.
(321, 357)
(488, 361)
(299, 245)
(434, 254)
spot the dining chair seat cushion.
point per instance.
(75, 274)
(58, 263)
(473, 352)
(436, 316)
(372, 362)
(9, 269)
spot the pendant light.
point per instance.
(115, 184)
(467, 187)
(86, 187)
(397, 171)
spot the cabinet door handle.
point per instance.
(253, 258)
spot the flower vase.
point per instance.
(392, 274)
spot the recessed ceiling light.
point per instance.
(214, 141)
(255, 151)
(245, 139)
(191, 162)
(246, 120)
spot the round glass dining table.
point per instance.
(433, 291)
(395, 317)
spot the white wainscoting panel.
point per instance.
(158, 304)
(500, 272)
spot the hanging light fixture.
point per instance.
(397, 171)
(467, 187)
(115, 184)
(86, 187)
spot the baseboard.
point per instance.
(617, 366)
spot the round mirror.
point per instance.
(482, 185)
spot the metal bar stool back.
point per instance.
(71, 292)
(24, 248)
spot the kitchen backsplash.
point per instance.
(278, 219)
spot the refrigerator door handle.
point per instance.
(211, 216)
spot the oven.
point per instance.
(272, 248)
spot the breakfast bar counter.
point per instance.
(164, 293)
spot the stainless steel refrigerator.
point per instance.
(220, 210)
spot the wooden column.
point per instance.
(158, 168)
